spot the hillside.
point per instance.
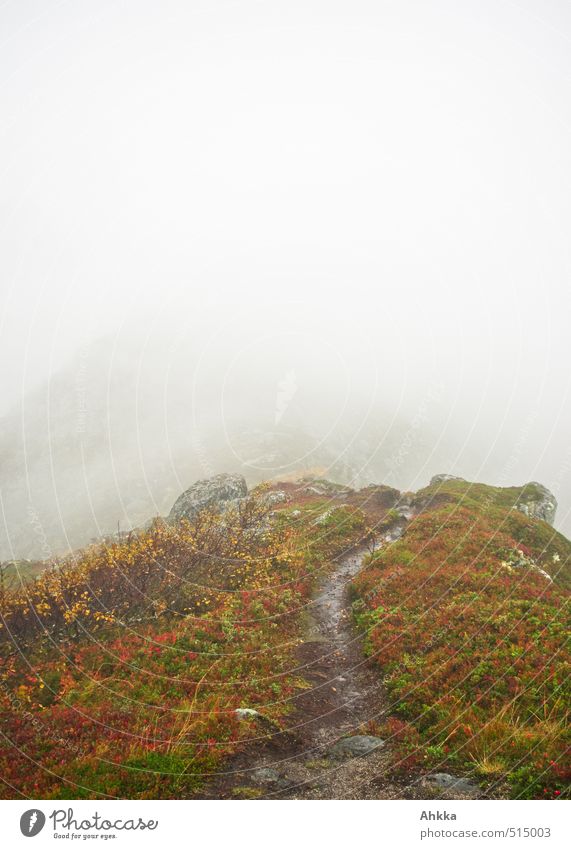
(468, 616)
(222, 652)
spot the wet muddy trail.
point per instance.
(343, 695)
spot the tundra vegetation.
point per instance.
(467, 615)
(123, 668)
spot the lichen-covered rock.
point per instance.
(357, 746)
(538, 502)
(443, 478)
(247, 713)
(211, 492)
(519, 559)
(276, 496)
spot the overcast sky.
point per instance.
(388, 181)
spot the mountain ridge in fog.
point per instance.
(117, 434)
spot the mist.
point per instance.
(279, 239)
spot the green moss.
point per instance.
(245, 792)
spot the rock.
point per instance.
(451, 784)
(381, 495)
(356, 747)
(395, 533)
(265, 775)
(518, 559)
(277, 496)
(322, 519)
(443, 478)
(538, 502)
(276, 782)
(324, 487)
(247, 713)
(211, 492)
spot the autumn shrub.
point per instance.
(121, 668)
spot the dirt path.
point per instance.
(343, 695)
(329, 751)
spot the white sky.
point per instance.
(392, 174)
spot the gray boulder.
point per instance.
(211, 492)
(538, 502)
(356, 747)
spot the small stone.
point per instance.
(265, 775)
(452, 783)
(355, 747)
(277, 496)
(246, 713)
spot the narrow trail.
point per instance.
(343, 694)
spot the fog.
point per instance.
(278, 238)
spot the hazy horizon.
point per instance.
(331, 218)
